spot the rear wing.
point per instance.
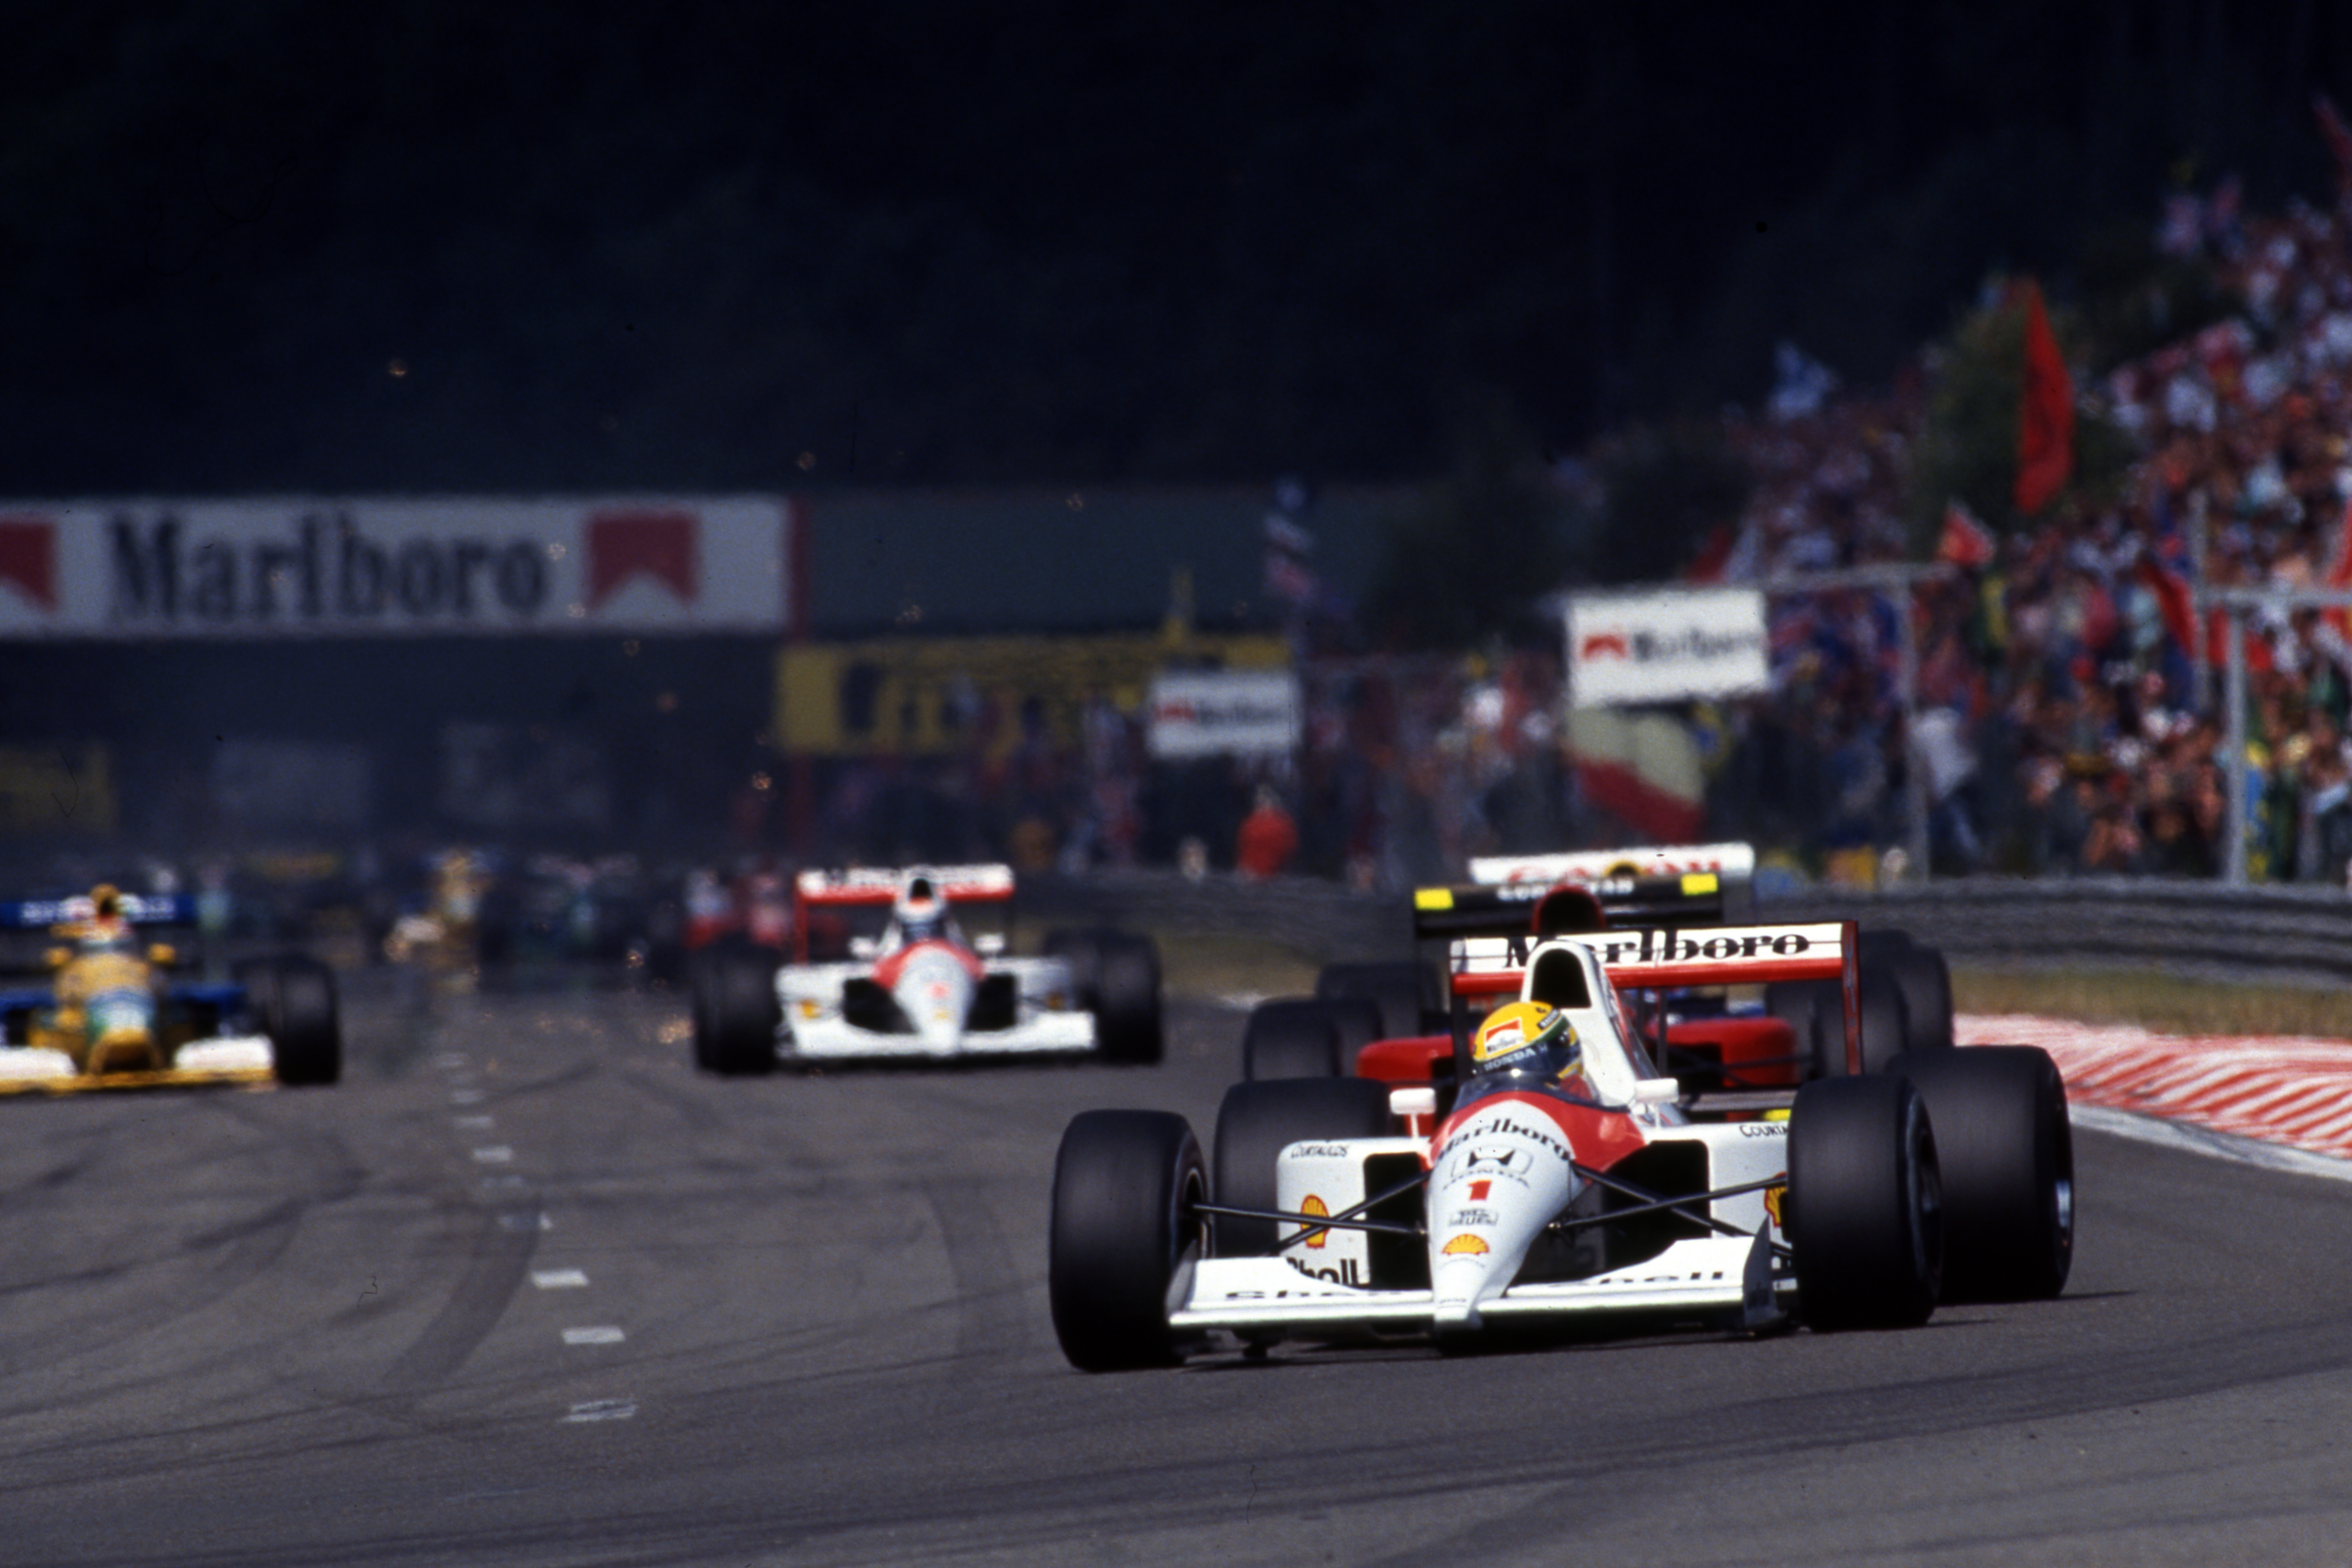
(881, 885)
(1665, 959)
(150, 910)
(1587, 866)
(1549, 908)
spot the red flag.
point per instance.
(2339, 141)
(2340, 573)
(1713, 555)
(2045, 413)
(2173, 600)
(1966, 542)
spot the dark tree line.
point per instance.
(430, 246)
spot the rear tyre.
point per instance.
(305, 1023)
(1864, 1205)
(1927, 995)
(1124, 1187)
(1359, 1022)
(1258, 1120)
(1886, 1021)
(735, 1011)
(1394, 988)
(1814, 1011)
(2006, 1152)
(1127, 998)
(1082, 951)
(1290, 1038)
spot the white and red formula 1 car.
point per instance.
(920, 987)
(1428, 1200)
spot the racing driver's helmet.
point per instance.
(1526, 1036)
(921, 914)
(105, 930)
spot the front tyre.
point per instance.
(304, 1022)
(1123, 1235)
(735, 1011)
(1127, 998)
(1291, 1037)
(1864, 1204)
(2006, 1152)
(1256, 1122)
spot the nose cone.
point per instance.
(934, 991)
(1502, 1174)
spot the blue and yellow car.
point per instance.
(111, 1017)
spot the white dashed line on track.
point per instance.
(465, 1097)
(496, 1154)
(476, 1123)
(525, 1222)
(558, 1278)
(600, 1334)
(602, 1410)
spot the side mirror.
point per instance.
(988, 943)
(1656, 1091)
(162, 955)
(863, 946)
(1412, 1102)
(58, 957)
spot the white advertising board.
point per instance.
(327, 567)
(1223, 713)
(1665, 646)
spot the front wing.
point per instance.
(814, 1030)
(227, 1059)
(1732, 1280)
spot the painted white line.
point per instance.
(449, 1061)
(465, 1097)
(525, 1222)
(603, 1410)
(2194, 1140)
(601, 1334)
(476, 1123)
(496, 1154)
(558, 1278)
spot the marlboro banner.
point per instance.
(1665, 646)
(270, 568)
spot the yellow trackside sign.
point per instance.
(913, 697)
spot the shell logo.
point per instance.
(1467, 1245)
(1774, 1200)
(1318, 1208)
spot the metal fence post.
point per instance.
(2234, 741)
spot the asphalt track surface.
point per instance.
(528, 1289)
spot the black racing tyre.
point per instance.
(1082, 951)
(1257, 1121)
(2006, 1152)
(1864, 1204)
(1926, 982)
(1127, 998)
(735, 1010)
(1291, 1037)
(698, 992)
(1814, 1011)
(1359, 1022)
(1886, 1021)
(1124, 1187)
(258, 976)
(1395, 987)
(306, 1034)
